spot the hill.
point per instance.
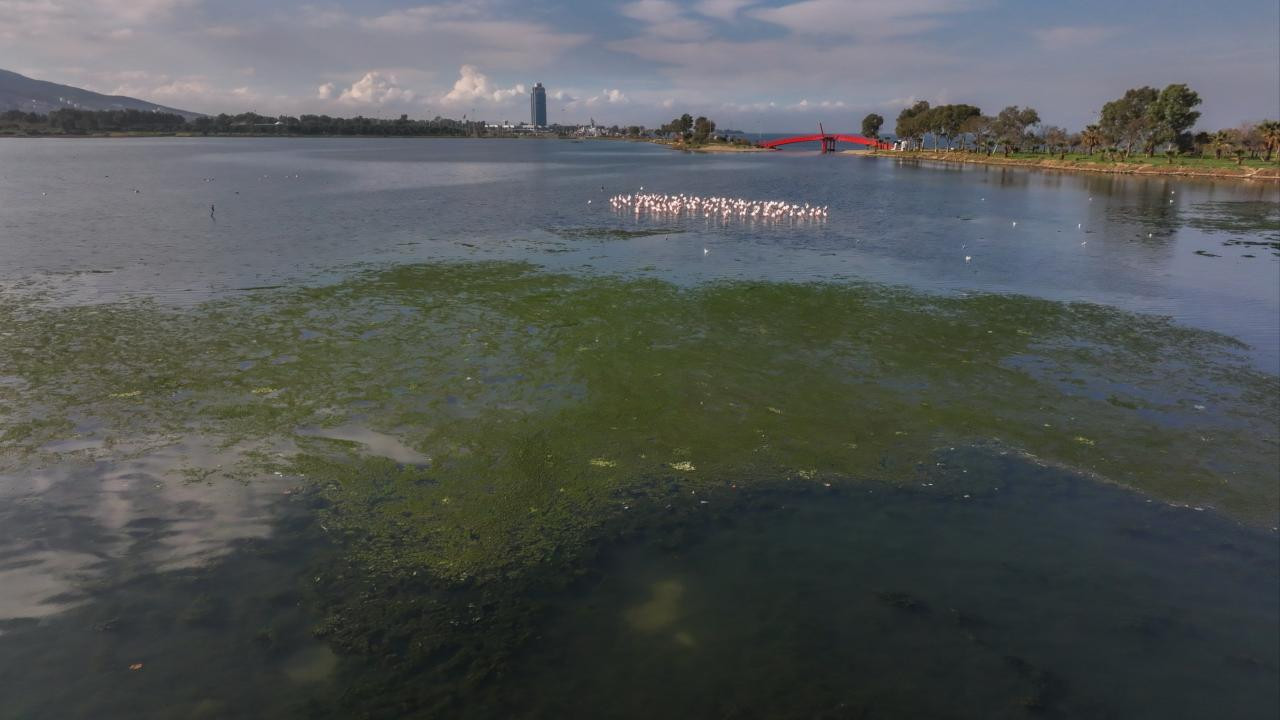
(19, 92)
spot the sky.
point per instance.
(752, 65)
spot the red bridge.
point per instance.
(828, 141)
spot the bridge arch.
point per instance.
(828, 141)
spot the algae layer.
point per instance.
(545, 405)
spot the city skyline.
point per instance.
(758, 65)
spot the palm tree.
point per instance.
(1092, 137)
(1221, 141)
(1270, 130)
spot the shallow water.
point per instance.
(409, 428)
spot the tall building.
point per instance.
(538, 105)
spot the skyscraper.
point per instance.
(538, 105)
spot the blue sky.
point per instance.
(757, 65)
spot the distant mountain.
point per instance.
(19, 92)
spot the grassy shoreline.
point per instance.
(1186, 167)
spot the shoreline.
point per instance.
(1265, 174)
(711, 148)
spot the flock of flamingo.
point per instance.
(716, 207)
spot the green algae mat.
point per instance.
(540, 404)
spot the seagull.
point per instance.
(967, 258)
(705, 252)
(1015, 223)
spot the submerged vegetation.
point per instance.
(535, 409)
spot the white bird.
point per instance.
(1015, 223)
(588, 202)
(1079, 225)
(967, 258)
(705, 252)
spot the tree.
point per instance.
(1011, 126)
(871, 125)
(909, 125)
(1091, 138)
(1170, 115)
(947, 121)
(1201, 141)
(1270, 131)
(1223, 140)
(1128, 121)
(1251, 139)
(981, 128)
(702, 129)
(1055, 141)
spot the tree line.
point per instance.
(1143, 120)
(689, 129)
(73, 121)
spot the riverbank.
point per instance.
(1205, 168)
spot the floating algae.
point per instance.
(476, 366)
(688, 400)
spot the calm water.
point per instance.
(407, 523)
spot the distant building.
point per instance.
(538, 106)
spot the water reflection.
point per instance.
(65, 527)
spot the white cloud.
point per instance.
(665, 19)
(722, 9)
(100, 18)
(190, 92)
(224, 32)
(325, 91)
(805, 105)
(862, 18)
(652, 11)
(375, 88)
(473, 85)
(419, 19)
(1073, 36)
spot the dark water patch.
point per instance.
(1022, 594)
(1254, 222)
(613, 233)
